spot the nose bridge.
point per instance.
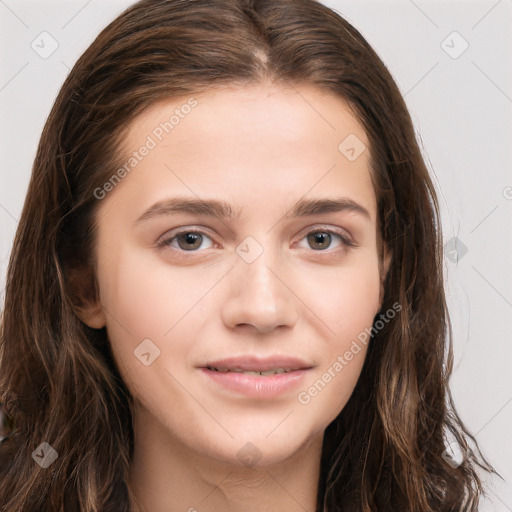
(258, 275)
(259, 295)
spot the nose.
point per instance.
(260, 295)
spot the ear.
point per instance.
(91, 315)
(84, 295)
(384, 264)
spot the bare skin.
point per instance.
(201, 445)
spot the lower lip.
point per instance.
(264, 387)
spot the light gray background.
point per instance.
(461, 105)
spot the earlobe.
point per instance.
(92, 315)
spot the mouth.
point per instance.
(264, 366)
(261, 378)
(264, 373)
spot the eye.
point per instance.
(188, 240)
(320, 239)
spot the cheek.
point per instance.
(143, 296)
(147, 300)
(141, 307)
(356, 303)
(347, 310)
(132, 301)
(345, 300)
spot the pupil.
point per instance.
(190, 238)
(322, 238)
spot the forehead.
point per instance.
(286, 141)
(254, 107)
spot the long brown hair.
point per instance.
(58, 380)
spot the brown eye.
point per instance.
(320, 239)
(187, 241)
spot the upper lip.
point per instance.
(259, 364)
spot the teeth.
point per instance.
(265, 373)
(225, 370)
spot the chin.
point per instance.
(254, 448)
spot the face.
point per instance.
(237, 263)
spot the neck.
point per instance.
(169, 476)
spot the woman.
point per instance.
(261, 372)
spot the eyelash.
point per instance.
(346, 242)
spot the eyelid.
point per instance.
(341, 232)
(345, 235)
(173, 233)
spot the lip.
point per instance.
(261, 364)
(257, 386)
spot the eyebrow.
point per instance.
(222, 210)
